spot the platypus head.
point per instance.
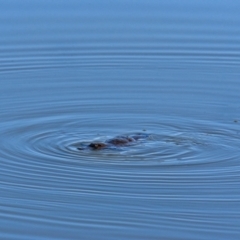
(97, 145)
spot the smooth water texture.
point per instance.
(73, 72)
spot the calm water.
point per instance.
(73, 72)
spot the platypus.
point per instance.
(118, 141)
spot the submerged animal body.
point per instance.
(118, 141)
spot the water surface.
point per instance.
(80, 71)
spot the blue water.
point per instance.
(73, 72)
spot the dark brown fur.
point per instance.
(117, 141)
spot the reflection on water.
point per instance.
(76, 72)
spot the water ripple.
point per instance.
(51, 143)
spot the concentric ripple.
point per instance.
(56, 139)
